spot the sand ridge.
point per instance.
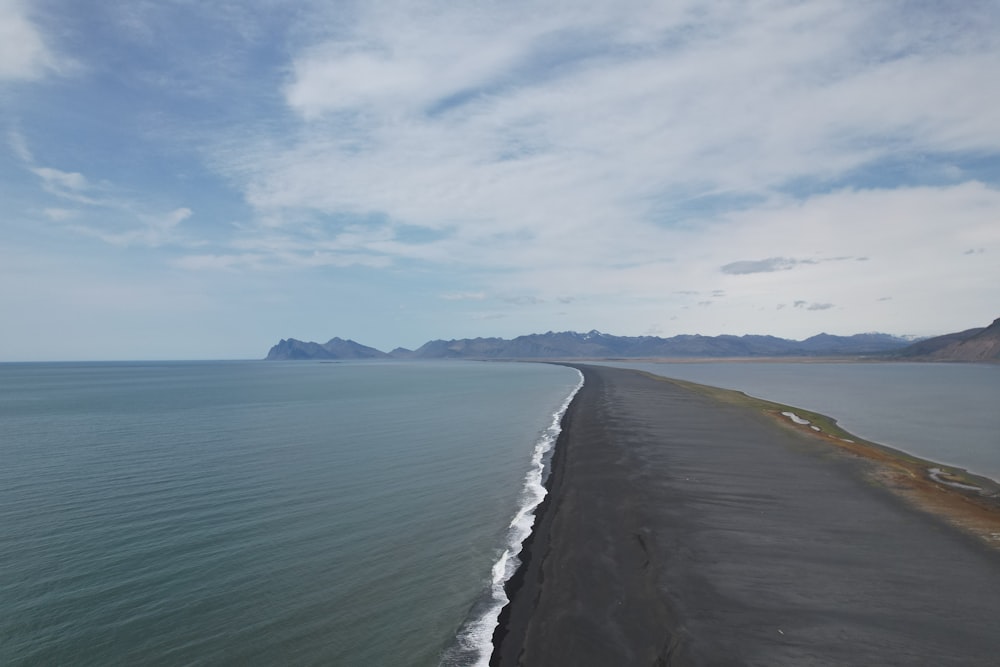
(686, 530)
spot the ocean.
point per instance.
(947, 413)
(256, 513)
(317, 513)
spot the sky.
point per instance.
(197, 179)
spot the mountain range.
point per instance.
(982, 344)
(594, 344)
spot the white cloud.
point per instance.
(576, 165)
(60, 182)
(271, 260)
(912, 240)
(745, 266)
(106, 215)
(24, 54)
(19, 146)
(68, 185)
(139, 230)
(60, 214)
(171, 220)
(759, 265)
(464, 296)
(211, 262)
(399, 59)
(462, 122)
(351, 80)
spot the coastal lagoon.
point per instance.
(264, 513)
(946, 413)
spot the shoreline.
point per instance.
(689, 525)
(941, 413)
(968, 501)
(514, 584)
(474, 640)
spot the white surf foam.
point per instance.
(475, 640)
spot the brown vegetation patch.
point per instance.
(945, 494)
(975, 511)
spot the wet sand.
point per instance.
(681, 530)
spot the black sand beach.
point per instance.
(680, 530)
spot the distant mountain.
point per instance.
(982, 344)
(594, 344)
(335, 348)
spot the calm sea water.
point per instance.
(264, 513)
(949, 413)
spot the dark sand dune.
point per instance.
(684, 531)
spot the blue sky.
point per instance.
(184, 180)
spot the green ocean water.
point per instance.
(258, 513)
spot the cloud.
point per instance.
(19, 146)
(174, 218)
(24, 54)
(812, 306)
(395, 61)
(464, 296)
(276, 262)
(506, 139)
(770, 264)
(345, 81)
(69, 185)
(522, 300)
(759, 266)
(226, 263)
(152, 230)
(106, 214)
(60, 214)
(114, 220)
(62, 183)
(639, 156)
